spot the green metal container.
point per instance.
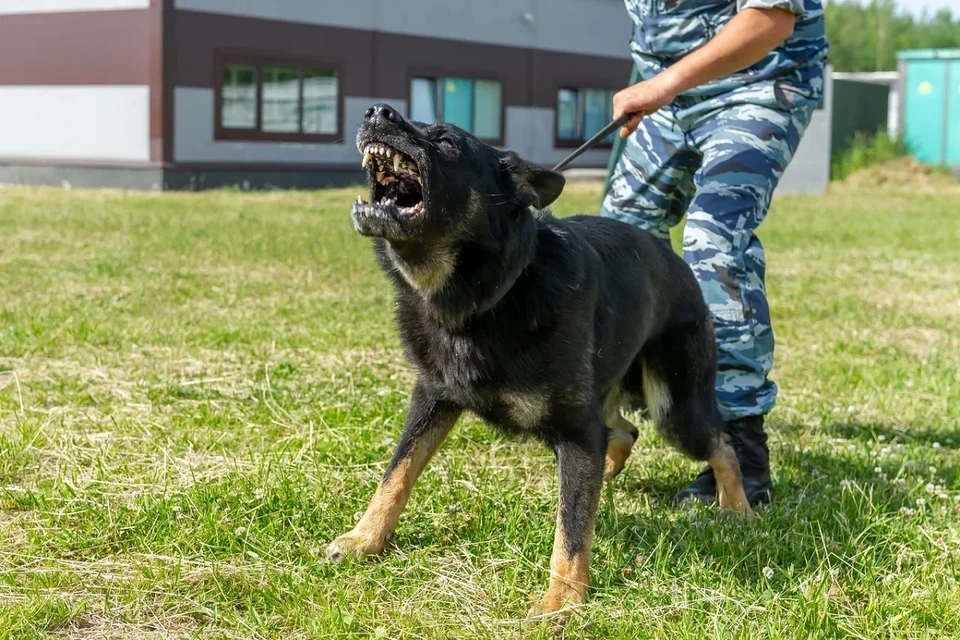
(930, 114)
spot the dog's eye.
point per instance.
(447, 144)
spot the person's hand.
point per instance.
(641, 100)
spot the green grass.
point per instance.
(865, 152)
(199, 391)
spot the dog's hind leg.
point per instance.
(621, 435)
(428, 422)
(679, 374)
(580, 459)
(726, 469)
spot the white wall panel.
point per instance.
(102, 123)
(54, 6)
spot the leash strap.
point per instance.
(603, 133)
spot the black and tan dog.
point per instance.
(540, 326)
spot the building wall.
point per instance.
(594, 27)
(374, 66)
(80, 87)
(9, 7)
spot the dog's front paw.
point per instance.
(556, 604)
(355, 545)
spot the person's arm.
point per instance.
(745, 40)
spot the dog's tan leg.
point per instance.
(427, 425)
(580, 468)
(726, 469)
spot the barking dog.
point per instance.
(539, 326)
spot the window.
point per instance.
(475, 106)
(583, 112)
(278, 101)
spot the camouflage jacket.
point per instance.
(666, 30)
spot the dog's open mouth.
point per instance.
(396, 188)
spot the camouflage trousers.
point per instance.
(719, 164)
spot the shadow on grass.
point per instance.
(947, 438)
(830, 509)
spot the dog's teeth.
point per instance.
(396, 163)
(366, 159)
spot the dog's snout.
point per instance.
(382, 111)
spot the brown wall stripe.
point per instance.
(90, 47)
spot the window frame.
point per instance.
(567, 143)
(259, 60)
(433, 73)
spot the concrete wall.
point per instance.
(94, 123)
(599, 27)
(10, 7)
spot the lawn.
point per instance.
(199, 391)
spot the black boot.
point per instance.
(750, 443)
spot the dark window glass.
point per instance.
(239, 97)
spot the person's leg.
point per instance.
(746, 149)
(652, 183)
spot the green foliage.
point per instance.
(868, 37)
(866, 151)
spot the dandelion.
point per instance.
(936, 445)
(908, 511)
(878, 470)
(931, 470)
(259, 494)
(851, 409)
(899, 482)
(768, 573)
(881, 438)
(921, 502)
(846, 484)
(930, 488)
(239, 531)
(889, 578)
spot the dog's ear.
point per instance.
(536, 186)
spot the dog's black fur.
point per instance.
(540, 326)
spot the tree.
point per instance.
(868, 37)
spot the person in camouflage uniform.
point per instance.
(728, 88)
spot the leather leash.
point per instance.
(603, 133)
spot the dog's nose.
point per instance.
(384, 111)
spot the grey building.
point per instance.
(181, 93)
